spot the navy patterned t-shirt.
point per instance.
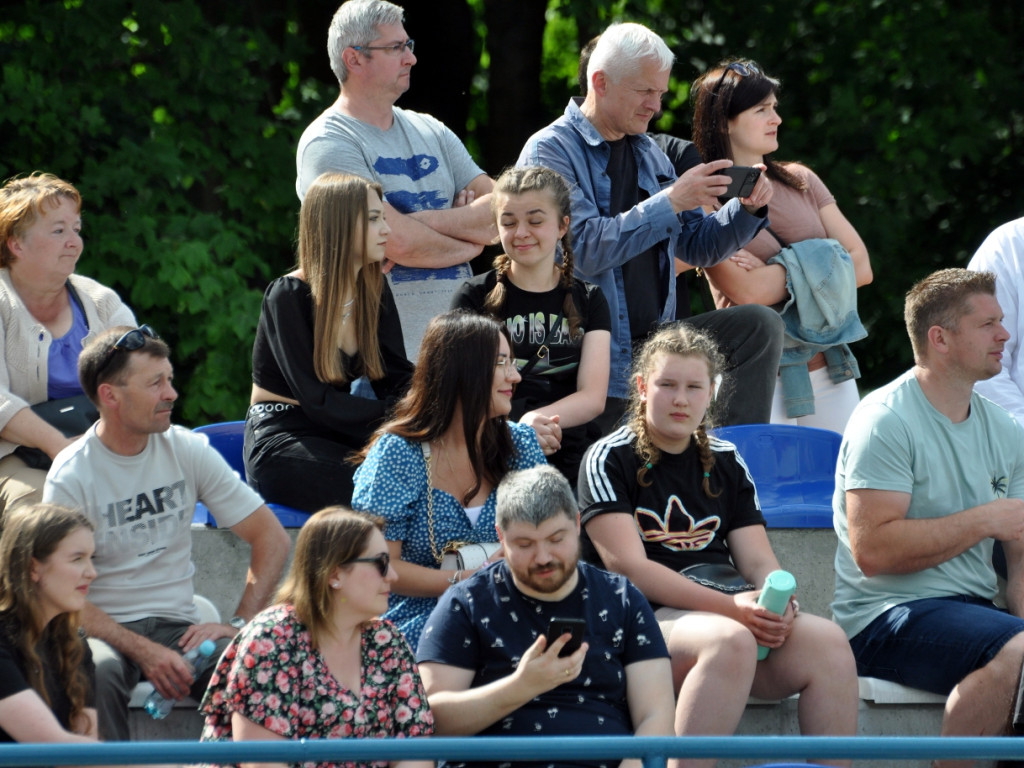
(485, 623)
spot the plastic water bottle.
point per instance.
(156, 705)
(779, 586)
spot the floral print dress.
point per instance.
(271, 674)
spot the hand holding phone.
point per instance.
(743, 179)
(560, 626)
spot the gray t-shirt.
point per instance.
(421, 165)
(142, 507)
(897, 441)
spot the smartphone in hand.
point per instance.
(743, 178)
(558, 627)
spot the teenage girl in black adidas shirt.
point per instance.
(659, 495)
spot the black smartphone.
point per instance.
(558, 627)
(742, 181)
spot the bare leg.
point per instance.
(816, 662)
(981, 704)
(713, 662)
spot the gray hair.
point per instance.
(533, 496)
(623, 47)
(356, 22)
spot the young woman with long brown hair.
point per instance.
(325, 330)
(736, 116)
(432, 470)
(46, 671)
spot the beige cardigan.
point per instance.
(25, 343)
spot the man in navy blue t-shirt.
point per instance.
(485, 658)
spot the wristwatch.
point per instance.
(237, 622)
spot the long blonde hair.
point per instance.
(34, 531)
(332, 240)
(684, 341)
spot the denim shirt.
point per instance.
(820, 316)
(602, 243)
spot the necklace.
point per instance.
(345, 315)
(448, 460)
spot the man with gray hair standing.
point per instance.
(632, 218)
(494, 657)
(437, 199)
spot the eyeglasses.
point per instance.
(398, 48)
(382, 561)
(508, 363)
(129, 342)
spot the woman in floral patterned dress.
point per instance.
(320, 665)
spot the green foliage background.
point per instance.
(178, 121)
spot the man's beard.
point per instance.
(556, 576)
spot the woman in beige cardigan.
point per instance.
(47, 313)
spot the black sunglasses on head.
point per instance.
(129, 342)
(743, 69)
(382, 561)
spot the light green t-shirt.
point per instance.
(897, 441)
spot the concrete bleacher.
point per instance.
(221, 561)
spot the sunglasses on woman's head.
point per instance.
(743, 69)
(382, 561)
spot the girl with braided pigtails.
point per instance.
(560, 326)
(675, 510)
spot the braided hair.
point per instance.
(519, 181)
(684, 341)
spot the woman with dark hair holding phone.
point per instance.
(329, 358)
(736, 116)
(320, 664)
(46, 670)
(432, 470)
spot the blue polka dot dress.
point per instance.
(392, 483)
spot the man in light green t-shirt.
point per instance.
(930, 474)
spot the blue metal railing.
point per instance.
(652, 750)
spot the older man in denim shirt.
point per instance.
(631, 216)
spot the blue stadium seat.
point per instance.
(794, 470)
(227, 437)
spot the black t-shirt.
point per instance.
(645, 293)
(14, 677)
(679, 523)
(683, 155)
(529, 317)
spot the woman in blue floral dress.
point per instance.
(432, 470)
(320, 665)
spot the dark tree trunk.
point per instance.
(515, 37)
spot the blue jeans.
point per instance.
(934, 643)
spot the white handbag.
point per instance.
(455, 555)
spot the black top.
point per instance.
(683, 155)
(282, 362)
(641, 275)
(529, 316)
(679, 524)
(14, 677)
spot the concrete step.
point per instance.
(222, 559)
